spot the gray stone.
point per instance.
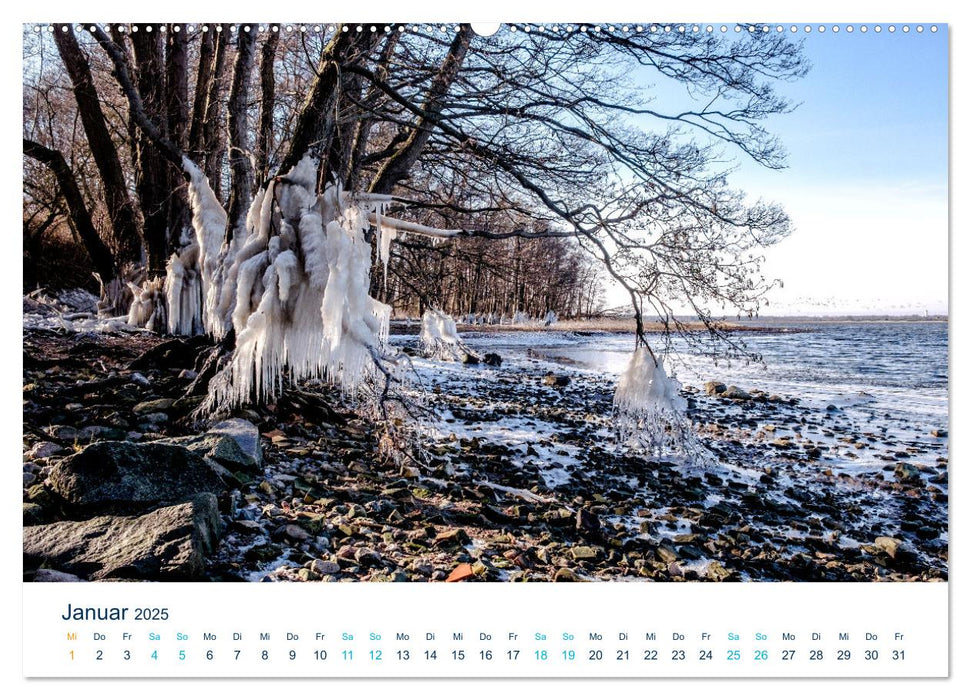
(666, 554)
(67, 433)
(324, 567)
(587, 523)
(369, 558)
(43, 450)
(93, 433)
(154, 406)
(714, 388)
(907, 474)
(736, 394)
(52, 576)
(896, 550)
(33, 514)
(582, 553)
(246, 436)
(221, 449)
(295, 532)
(453, 537)
(154, 418)
(167, 544)
(40, 495)
(556, 379)
(124, 477)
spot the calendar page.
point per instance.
(513, 350)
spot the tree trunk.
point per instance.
(315, 123)
(241, 169)
(177, 101)
(121, 211)
(152, 182)
(104, 263)
(267, 103)
(207, 50)
(212, 135)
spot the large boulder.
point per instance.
(221, 449)
(124, 477)
(168, 544)
(246, 435)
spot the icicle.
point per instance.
(650, 411)
(440, 339)
(209, 224)
(292, 283)
(388, 235)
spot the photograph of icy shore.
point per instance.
(318, 303)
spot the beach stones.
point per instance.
(896, 550)
(154, 406)
(588, 524)
(907, 474)
(222, 449)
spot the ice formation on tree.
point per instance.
(440, 339)
(147, 309)
(183, 291)
(291, 282)
(650, 411)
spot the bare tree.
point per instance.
(537, 133)
(101, 257)
(120, 209)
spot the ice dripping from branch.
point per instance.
(649, 410)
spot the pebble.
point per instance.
(325, 567)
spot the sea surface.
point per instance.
(895, 370)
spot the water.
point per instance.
(898, 369)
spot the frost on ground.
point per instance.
(69, 310)
(521, 479)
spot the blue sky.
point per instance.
(866, 183)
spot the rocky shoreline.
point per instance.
(522, 481)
